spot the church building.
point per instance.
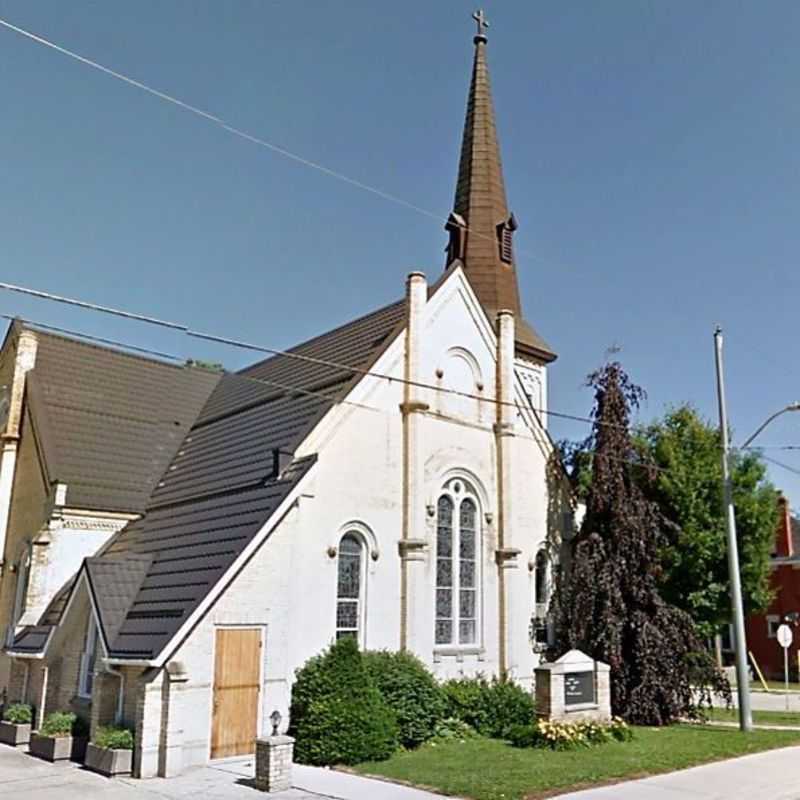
(391, 480)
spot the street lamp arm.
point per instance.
(790, 407)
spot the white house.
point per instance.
(392, 480)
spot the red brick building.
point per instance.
(761, 628)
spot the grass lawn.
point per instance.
(774, 686)
(488, 769)
(759, 717)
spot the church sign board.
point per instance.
(572, 688)
(579, 688)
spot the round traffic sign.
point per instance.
(784, 636)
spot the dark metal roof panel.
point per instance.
(31, 639)
(116, 418)
(220, 488)
(184, 566)
(114, 583)
(351, 345)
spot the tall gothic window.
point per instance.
(349, 587)
(457, 562)
(88, 658)
(20, 594)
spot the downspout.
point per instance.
(25, 681)
(42, 697)
(120, 695)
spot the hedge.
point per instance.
(411, 692)
(492, 708)
(337, 714)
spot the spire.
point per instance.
(481, 227)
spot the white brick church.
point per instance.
(392, 480)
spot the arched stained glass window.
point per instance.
(349, 587)
(444, 571)
(457, 566)
(467, 572)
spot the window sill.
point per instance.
(449, 651)
(580, 707)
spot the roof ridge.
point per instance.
(330, 332)
(108, 348)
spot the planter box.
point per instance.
(15, 734)
(108, 762)
(57, 748)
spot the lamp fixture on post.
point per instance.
(275, 718)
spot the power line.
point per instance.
(85, 305)
(232, 129)
(772, 447)
(777, 463)
(41, 295)
(179, 359)
(293, 387)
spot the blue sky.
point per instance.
(650, 152)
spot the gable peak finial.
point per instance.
(483, 24)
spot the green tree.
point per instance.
(607, 601)
(688, 490)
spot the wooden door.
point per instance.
(237, 683)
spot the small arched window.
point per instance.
(349, 593)
(540, 578)
(457, 565)
(541, 592)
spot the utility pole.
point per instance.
(740, 643)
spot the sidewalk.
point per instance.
(23, 777)
(774, 775)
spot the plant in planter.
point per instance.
(15, 727)
(63, 736)
(111, 752)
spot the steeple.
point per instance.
(481, 227)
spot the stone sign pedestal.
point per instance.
(274, 763)
(576, 687)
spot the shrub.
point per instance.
(337, 714)
(568, 735)
(114, 738)
(451, 728)
(490, 707)
(19, 714)
(410, 691)
(63, 723)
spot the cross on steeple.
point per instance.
(480, 19)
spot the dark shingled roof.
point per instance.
(228, 477)
(32, 639)
(115, 582)
(110, 422)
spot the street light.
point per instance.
(791, 407)
(740, 643)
